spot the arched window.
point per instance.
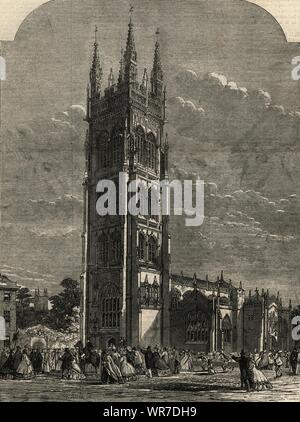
(103, 150)
(117, 146)
(116, 247)
(153, 202)
(2, 329)
(110, 307)
(141, 246)
(227, 328)
(197, 328)
(152, 248)
(151, 150)
(175, 298)
(103, 249)
(140, 144)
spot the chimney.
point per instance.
(222, 276)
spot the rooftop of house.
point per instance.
(7, 284)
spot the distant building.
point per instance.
(211, 316)
(267, 324)
(41, 301)
(8, 291)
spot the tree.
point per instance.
(24, 313)
(24, 297)
(65, 305)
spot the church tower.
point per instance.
(125, 277)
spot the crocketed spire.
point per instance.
(96, 70)
(157, 73)
(130, 56)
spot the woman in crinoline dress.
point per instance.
(127, 370)
(110, 371)
(186, 362)
(25, 369)
(260, 381)
(76, 373)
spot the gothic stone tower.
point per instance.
(125, 280)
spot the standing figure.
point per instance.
(210, 367)
(258, 381)
(138, 361)
(186, 362)
(278, 364)
(126, 368)
(176, 361)
(149, 361)
(66, 367)
(7, 369)
(25, 369)
(17, 358)
(245, 370)
(294, 361)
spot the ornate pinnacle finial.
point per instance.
(96, 35)
(111, 78)
(145, 78)
(121, 72)
(130, 55)
(166, 142)
(157, 73)
(96, 71)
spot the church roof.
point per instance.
(7, 284)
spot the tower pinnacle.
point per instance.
(157, 73)
(130, 56)
(96, 71)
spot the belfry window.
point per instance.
(140, 145)
(152, 248)
(103, 249)
(110, 308)
(103, 150)
(141, 246)
(151, 151)
(116, 247)
(116, 146)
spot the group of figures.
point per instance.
(28, 363)
(122, 364)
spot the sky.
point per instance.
(234, 119)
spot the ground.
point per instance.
(184, 387)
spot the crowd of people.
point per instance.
(119, 365)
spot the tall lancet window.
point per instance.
(103, 150)
(116, 247)
(151, 149)
(140, 144)
(116, 146)
(110, 307)
(103, 246)
(152, 249)
(142, 246)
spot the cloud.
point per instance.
(234, 134)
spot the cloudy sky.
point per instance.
(234, 120)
